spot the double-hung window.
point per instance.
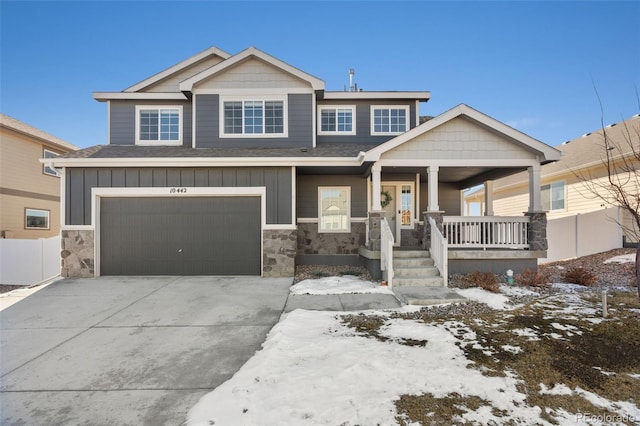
(553, 196)
(253, 117)
(337, 120)
(334, 209)
(158, 125)
(389, 120)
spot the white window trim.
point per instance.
(336, 107)
(564, 187)
(159, 142)
(334, 231)
(45, 167)
(263, 98)
(407, 117)
(37, 228)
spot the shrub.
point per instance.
(579, 276)
(485, 280)
(532, 278)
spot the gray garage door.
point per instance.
(180, 236)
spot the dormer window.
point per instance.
(158, 125)
(337, 120)
(253, 117)
(389, 120)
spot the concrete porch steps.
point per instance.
(414, 268)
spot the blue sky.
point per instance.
(532, 65)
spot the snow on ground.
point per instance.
(494, 300)
(314, 370)
(513, 290)
(625, 258)
(338, 285)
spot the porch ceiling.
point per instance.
(464, 177)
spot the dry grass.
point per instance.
(577, 351)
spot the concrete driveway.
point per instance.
(129, 350)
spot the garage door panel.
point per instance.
(180, 236)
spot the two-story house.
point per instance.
(244, 164)
(29, 190)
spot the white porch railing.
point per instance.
(439, 251)
(486, 231)
(386, 250)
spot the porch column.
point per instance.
(432, 194)
(488, 198)
(535, 203)
(376, 188)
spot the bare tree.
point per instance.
(619, 185)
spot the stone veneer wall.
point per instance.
(437, 217)
(412, 237)
(77, 254)
(279, 252)
(537, 231)
(312, 242)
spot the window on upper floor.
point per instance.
(334, 209)
(256, 117)
(553, 196)
(389, 120)
(158, 125)
(46, 169)
(337, 120)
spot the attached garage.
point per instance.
(200, 235)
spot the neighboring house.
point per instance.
(242, 164)
(564, 183)
(29, 190)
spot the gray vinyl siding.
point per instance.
(79, 182)
(448, 198)
(307, 193)
(363, 122)
(122, 120)
(300, 132)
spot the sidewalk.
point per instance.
(14, 296)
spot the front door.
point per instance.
(388, 200)
(398, 201)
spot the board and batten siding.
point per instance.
(79, 182)
(122, 120)
(307, 193)
(363, 122)
(300, 125)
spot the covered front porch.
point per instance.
(415, 184)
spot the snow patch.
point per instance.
(493, 300)
(557, 389)
(624, 258)
(338, 285)
(511, 290)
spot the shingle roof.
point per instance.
(346, 150)
(586, 150)
(19, 126)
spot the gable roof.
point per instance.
(187, 85)
(544, 151)
(585, 151)
(25, 129)
(177, 68)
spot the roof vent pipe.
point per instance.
(352, 87)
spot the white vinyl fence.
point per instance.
(583, 234)
(27, 262)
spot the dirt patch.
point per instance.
(305, 272)
(7, 288)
